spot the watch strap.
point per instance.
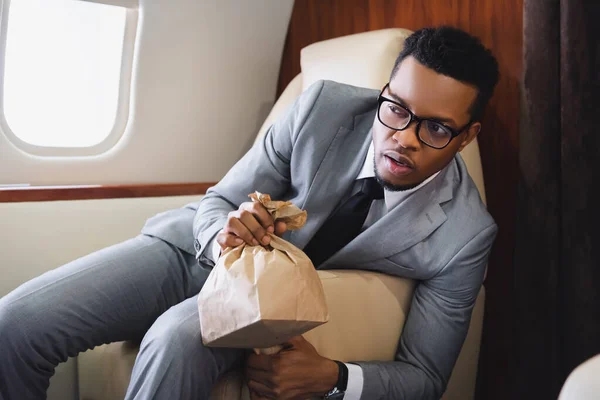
(342, 383)
(339, 390)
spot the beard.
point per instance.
(388, 185)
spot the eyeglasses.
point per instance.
(397, 117)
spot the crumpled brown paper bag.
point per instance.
(257, 297)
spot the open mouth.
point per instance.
(399, 160)
(398, 164)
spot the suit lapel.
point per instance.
(406, 225)
(336, 174)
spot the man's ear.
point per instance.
(471, 134)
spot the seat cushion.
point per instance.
(363, 59)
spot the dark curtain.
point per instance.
(557, 250)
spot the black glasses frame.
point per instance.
(454, 133)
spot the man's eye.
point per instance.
(398, 110)
(436, 129)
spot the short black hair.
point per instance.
(455, 53)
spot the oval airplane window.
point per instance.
(63, 75)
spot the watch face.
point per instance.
(335, 394)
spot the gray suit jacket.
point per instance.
(440, 236)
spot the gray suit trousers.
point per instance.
(142, 288)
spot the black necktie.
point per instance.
(344, 224)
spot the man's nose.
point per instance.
(407, 138)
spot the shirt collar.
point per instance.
(392, 199)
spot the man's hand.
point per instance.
(250, 224)
(296, 373)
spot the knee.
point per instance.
(173, 349)
(176, 340)
(31, 332)
(13, 321)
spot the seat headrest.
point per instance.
(363, 59)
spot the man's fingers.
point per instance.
(264, 217)
(280, 228)
(259, 233)
(295, 341)
(257, 375)
(244, 224)
(237, 228)
(226, 240)
(253, 223)
(256, 396)
(260, 362)
(263, 390)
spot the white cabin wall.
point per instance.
(204, 78)
(40, 236)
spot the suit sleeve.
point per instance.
(435, 330)
(264, 168)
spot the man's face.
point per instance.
(428, 95)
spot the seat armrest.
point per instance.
(367, 311)
(583, 383)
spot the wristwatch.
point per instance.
(339, 390)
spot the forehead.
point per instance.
(430, 94)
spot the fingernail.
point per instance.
(271, 229)
(255, 242)
(266, 239)
(238, 241)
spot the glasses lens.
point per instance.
(434, 134)
(393, 115)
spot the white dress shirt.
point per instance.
(378, 209)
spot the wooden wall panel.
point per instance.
(499, 25)
(57, 193)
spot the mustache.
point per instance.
(389, 185)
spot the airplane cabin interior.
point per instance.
(143, 140)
